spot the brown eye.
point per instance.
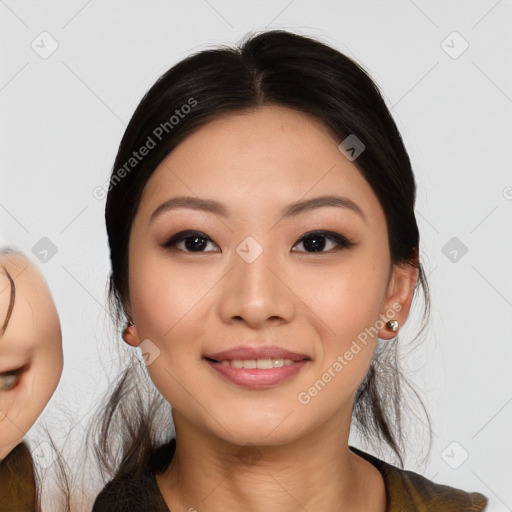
(315, 241)
(193, 241)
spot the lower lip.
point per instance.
(254, 378)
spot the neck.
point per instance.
(317, 472)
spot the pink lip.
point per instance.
(253, 377)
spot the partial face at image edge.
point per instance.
(30, 348)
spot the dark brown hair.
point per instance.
(271, 68)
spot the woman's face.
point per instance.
(246, 278)
(30, 349)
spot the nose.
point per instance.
(257, 293)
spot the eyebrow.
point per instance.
(292, 210)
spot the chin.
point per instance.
(260, 433)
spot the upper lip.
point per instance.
(250, 353)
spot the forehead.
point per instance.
(34, 321)
(255, 144)
(12, 267)
(26, 280)
(17, 265)
(272, 153)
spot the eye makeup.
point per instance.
(339, 241)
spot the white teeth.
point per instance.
(265, 364)
(262, 364)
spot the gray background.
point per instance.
(63, 115)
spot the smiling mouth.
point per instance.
(258, 373)
(260, 364)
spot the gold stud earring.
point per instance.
(392, 325)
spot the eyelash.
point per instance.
(336, 238)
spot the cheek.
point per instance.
(154, 295)
(25, 403)
(42, 338)
(346, 301)
(42, 381)
(170, 306)
(47, 370)
(166, 298)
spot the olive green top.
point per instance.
(407, 491)
(17, 481)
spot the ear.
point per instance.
(131, 336)
(398, 299)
